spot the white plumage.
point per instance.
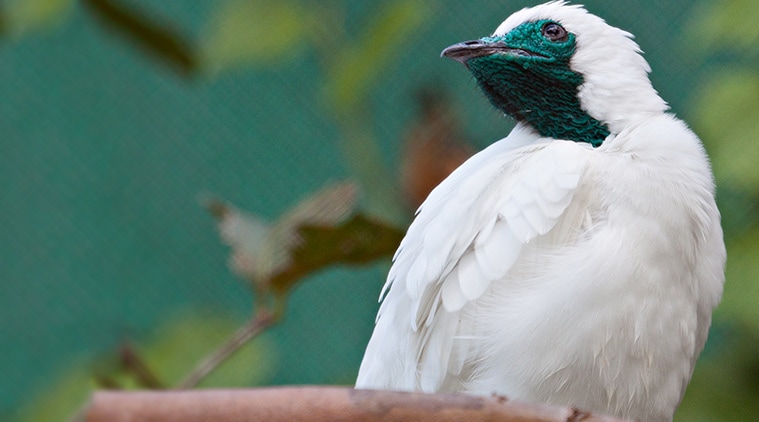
(551, 271)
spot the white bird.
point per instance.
(576, 261)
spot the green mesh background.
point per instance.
(105, 149)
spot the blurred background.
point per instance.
(122, 120)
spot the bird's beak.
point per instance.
(463, 52)
(466, 50)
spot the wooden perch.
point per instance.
(317, 404)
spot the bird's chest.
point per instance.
(607, 341)
(605, 321)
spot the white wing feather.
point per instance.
(467, 235)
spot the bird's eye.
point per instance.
(554, 32)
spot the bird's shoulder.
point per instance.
(468, 234)
(498, 201)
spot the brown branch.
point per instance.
(317, 404)
(263, 320)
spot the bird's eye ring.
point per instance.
(554, 32)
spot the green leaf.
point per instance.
(357, 241)
(259, 32)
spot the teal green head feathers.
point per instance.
(526, 74)
(562, 71)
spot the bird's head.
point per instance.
(563, 71)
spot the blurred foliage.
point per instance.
(725, 112)
(356, 67)
(155, 37)
(262, 250)
(727, 26)
(357, 241)
(271, 33)
(168, 352)
(728, 114)
(256, 32)
(22, 16)
(434, 145)
(739, 303)
(725, 385)
(319, 231)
